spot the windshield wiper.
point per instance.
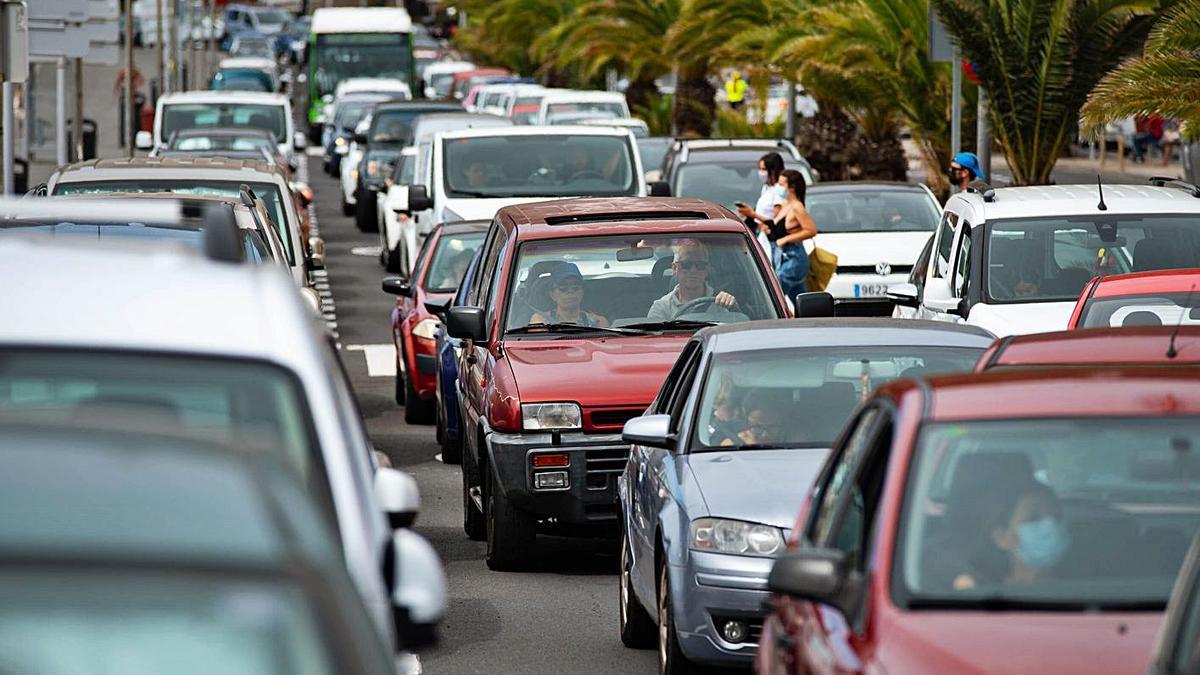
(997, 603)
(680, 324)
(571, 328)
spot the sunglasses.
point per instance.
(700, 265)
(569, 287)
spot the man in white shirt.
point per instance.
(690, 268)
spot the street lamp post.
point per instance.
(129, 112)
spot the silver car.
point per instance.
(214, 346)
(724, 456)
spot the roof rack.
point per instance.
(1168, 181)
(983, 189)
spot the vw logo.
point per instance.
(883, 269)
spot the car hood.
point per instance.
(758, 486)
(868, 248)
(1003, 643)
(480, 209)
(593, 372)
(1022, 319)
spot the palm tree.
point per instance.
(499, 32)
(1038, 60)
(1164, 81)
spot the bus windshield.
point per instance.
(341, 56)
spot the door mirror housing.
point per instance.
(660, 188)
(143, 140)
(418, 198)
(439, 308)
(299, 140)
(397, 198)
(466, 323)
(398, 286)
(361, 139)
(904, 294)
(398, 496)
(650, 430)
(815, 304)
(817, 575)
(417, 584)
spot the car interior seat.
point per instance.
(1153, 254)
(1142, 317)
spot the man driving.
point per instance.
(690, 268)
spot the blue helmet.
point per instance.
(968, 160)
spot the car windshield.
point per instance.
(76, 622)
(800, 397)
(244, 404)
(345, 55)
(1051, 259)
(867, 210)
(440, 84)
(394, 125)
(192, 237)
(181, 116)
(725, 182)
(643, 281)
(350, 113)
(269, 192)
(450, 260)
(606, 108)
(1149, 309)
(1085, 513)
(540, 166)
(221, 142)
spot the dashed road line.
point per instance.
(381, 359)
(320, 278)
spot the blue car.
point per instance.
(448, 350)
(721, 463)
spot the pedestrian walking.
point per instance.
(1170, 139)
(793, 231)
(771, 198)
(964, 168)
(1147, 131)
(735, 90)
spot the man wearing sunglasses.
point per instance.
(690, 268)
(964, 168)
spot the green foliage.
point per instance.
(656, 113)
(733, 124)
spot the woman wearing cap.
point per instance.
(566, 292)
(964, 168)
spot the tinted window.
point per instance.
(180, 116)
(342, 56)
(1150, 309)
(531, 166)
(724, 183)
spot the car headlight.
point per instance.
(718, 535)
(340, 142)
(547, 416)
(426, 328)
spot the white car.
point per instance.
(877, 230)
(440, 75)
(470, 174)
(397, 89)
(349, 167)
(608, 103)
(1014, 260)
(194, 109)
(220, 349)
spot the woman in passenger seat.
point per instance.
(726, 416)
(565, 285)
(1025, 541)
(764, 422)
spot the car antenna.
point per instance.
(1187, 302)
(1100, 188)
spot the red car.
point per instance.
(1164, 297)
(577, 311)
(436, 274)
(1022, 521)
(1160, 345)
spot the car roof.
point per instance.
(529, 130)
(1103, 391)
(1157, 281)
(198, 167)
(442, 106)
(224, 131)
(466, 226)
(178, 300)
(1076, 200)
(207, 96)
(361, 20)
(252, 62)
(576, 95)
(833, 332)
(618, 215)
(865, 186)
(351, 84)
(1085, 346)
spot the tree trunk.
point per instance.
(640, 92)
(695, 107)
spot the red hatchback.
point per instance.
(436, 274)
(578, 310)
(1161, 346)
(1023, 521)
(1162, 298)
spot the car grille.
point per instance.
(602, 466)
(611, 418)
(870, 269)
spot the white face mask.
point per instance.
(762, 176)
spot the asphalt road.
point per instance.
(560, 619)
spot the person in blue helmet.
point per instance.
(964, 168)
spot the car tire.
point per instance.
(510, 535)
(473, 524)
(636, 627)
(416, 411)
(347, 207)
(395, 262)
(671, 660)
(364, 213)
(451, 448)
(401, 384)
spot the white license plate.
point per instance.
(870, 290)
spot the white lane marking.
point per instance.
(381, 359)
(438, 457)
(367, 251)
(314, 151)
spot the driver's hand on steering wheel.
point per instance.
(725, 300)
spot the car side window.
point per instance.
(945, 241)
(855, 517)
(493, 265)
(836, 479)
(423, 254)
(477, 281)
(683, 388)
(662, 402)
(962, 264)
(921, 267)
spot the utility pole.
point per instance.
(78, 126)
(176, 60)
(160, 41)
(60, 111)
(956, 105)
(210, 54)
(983, 129)
(193, 43)
(128, 103)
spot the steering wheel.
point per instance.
(587, 173)
(706, 302)
(541, 177)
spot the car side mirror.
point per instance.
(361, 139)
(660, 188)
(316, 252)
(417, 584)
(418, 198)
(398, 496)
(143, 140)
(814, 304)
(904, 294)
(397, 198)
(311, 299)
(466, 323)
(650, 430)
(299, 140)
(398, 286)
(963, 308)
(815, 574)
(439, 308)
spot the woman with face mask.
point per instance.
(771, 198)
(1024, 542)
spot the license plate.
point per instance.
(870, 290)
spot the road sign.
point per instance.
(14, 41)
(941, 50)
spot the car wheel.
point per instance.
(416, 411)
(401, 384)
(451, 447)
(671, 660)
(473, 523)
(510, 533)
(347, 207)
(636, 626)
(395, 260)
(364, 213)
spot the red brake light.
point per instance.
(547, 460)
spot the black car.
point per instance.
(722, 170)
(338, 130)
(390, 131)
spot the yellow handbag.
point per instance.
(822, 263)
